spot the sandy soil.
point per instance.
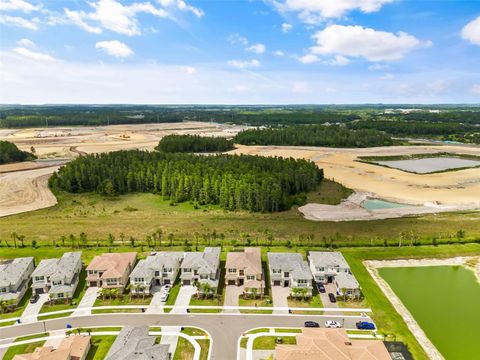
(23, 186)
(471, 262)
(448, 191)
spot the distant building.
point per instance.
(58, 277)
(14, 278)
(134, 343)
(201, 267)
(331, 344)
(71, 348)
(111, 270)
(331, 267)
(289, 270)
(156, 270)
(245, 269)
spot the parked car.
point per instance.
(332, 298)
(312, 324)
(320, 287)
(332, 324)
(164, 296)
(166, 288)
(34, 298)
(365, 325)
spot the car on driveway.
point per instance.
(332, 324)
(365, 325)
(164, 296)
(321, 288)
(312, 324)
(332, 298)
(34, 298)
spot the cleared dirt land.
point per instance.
(24, 186)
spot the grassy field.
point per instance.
(139, 215)
(268, 342)
(21, 349)
(100, 346)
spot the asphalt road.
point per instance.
(225, 329)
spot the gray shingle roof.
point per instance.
(65, 267)
(156, 262)
(12, 270)
(134, 343)
(347, 281)
(206, 261)
(327, 258)
(291, 262)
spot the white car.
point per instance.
(164, 296)
(166, 288)
(332, 324)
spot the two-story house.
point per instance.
(111, 270)
(201, 267)
(331, 267)
(58, 277)
(14, 278)
(245, 269)
(156, 270)
(290, 270)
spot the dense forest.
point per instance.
(314, 135)
(233, 182)
(10, 153)
(194, 144)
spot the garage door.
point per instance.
(39, 291)
(276, 283)
(231, 282)
(186, 282)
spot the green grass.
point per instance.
(53, 316)
(108, 328)
(21, 349)
(254, 302)
(313, 302)
(29, 337)
(243, 342)
(100, 346)
(288, 330)
(256, 331)
(268, 342)
(205, 302)
(173, 293)
(184, 351)
(123, 300)
(97, 216)
(110, 311)
(194, 331)
(205, 347)
(7, 323)
(77, 296)
(20, 307)
(385, 316)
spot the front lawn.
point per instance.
(21, 349)
(206, 302)
(313, 302)
(268, 342)
(172, 297)
(122, 300)
(265, 302)
(99, 347)
(184, 351)
(205, 346)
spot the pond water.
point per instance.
(428, 165)
(445, 302)
(375, 204)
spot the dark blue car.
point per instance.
(365, 325)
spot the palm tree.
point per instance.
(14, 238)
(344, 292)
(206, 288)
(296, 292)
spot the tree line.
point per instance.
(234, 182)
(10, 153)
(194, 144)
(314, 135)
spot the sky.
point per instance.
(239, 51)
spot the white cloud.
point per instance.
(357, 41)
(286, 28)
(309, 59)
(240, 64)
(26, 43)
(114, 48)
(438, 86)
(189, 70)
(387, 76)
(237, 39)
(18, 5)
(471, 31)
(339, 60)
(33, 55)
(300, 87)
(19, 22)
(313, 11)
(278, 53)
(475, 89)
(377, 67)
(257, 48)
(117, 17)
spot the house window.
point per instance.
(139, 280)
(187, 270)
(60, 296)
(57, 282)
(157, 273)
(286, 274)
(203, 276)
(349, 292)
(168, 270)
(241, 272)
(195, 272)
(250, 277)
(3, 290)
(111, 281)
(232, 270)
(39, 278)
(302, 282)
(276, 271)
(320, 268)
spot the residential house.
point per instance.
(245, 269)
(331, 344)
(201, 268)
(111, 270)
(156, 270)
(14, 278)
(71, 348)
(290, 270)
(134, 343)
(58, 277)
(331, 267)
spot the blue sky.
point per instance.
(240, 51)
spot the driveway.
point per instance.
(279, 297)
(183, 299)
(330, 288)
(30, 313)
(156, 305)
(87, 301)
(232, 293)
